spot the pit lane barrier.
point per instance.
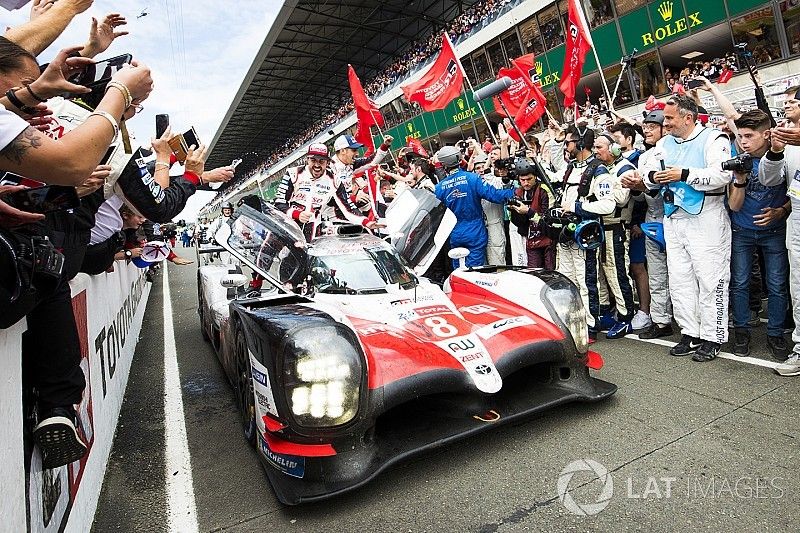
(109, 309)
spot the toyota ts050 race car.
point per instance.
(350, 362)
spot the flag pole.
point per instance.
(471, 88)
(596, 57)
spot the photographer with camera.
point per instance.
(781, 164)
(758, 220)
(689, 165)
(462, 192)
(527, 210)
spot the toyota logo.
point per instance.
(483, 369)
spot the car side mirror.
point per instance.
(232, 281)
(459, 254)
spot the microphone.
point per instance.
(494, 88)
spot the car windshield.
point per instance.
(270, 245)
(360, 271)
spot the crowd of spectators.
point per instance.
(477, 15)
(77, 195)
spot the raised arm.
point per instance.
(40, 32)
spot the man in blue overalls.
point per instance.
(461, 192)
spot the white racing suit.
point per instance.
(699, 246)
(773, 169)
(493, 214)
(613, 254)
(587, 186)
(326, 197)
(660, 302)
(345, 174)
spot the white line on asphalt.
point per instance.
(181, 507)
(723, 355)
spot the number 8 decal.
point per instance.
(440, 326)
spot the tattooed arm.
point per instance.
(66, 162)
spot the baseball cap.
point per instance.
(318, 150)
(346, 141)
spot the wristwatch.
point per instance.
(128, 255)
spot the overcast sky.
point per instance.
(198, 51)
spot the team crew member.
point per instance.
(660, 303)
(461, 192)
(782, 163)
(614, 259)
(698, 246)
(588, 190)
(311, 192)
(533, 200)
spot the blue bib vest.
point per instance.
(687, 154)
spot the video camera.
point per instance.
(741, 163)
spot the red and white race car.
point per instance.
(350, 362)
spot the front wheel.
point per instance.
(244, 389)
(201, 312)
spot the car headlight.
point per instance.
(322, 375)
(564, 299)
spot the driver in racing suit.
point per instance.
(588, 190)
(461, 192)
(344, 163)
(311, 192)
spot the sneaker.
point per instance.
(57, 438)
(592, 336)
(641, 320)
(607, 321)
(755, 320)
(790, 367)
(741, 342)
(778, 347)
(655, 331)
(687, 346)
(619, 330)
(707, 352)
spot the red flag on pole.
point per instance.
(367, 111)
(524, 98)
(443, 81)
(417, 148)
(579, 42)
(513, 97)
(532, 111)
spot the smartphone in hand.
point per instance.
(162, 123)
(44, 200)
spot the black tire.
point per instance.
(201, 312)
(244, 389)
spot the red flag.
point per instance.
(579, 41)
(513, 97)
(523, 75)
(417, 148)
(725, 76)
(529, 114)
(367, 111)
(443, 81)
